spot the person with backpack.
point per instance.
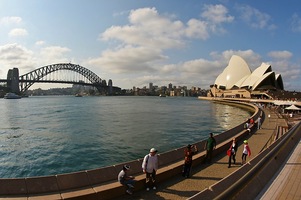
(150, 167)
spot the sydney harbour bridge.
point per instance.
(56, 73)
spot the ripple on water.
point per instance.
(53, 135)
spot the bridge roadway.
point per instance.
(206, 175)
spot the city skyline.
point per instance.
(137, 42)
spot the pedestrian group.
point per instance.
(150, 162)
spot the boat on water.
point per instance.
(11, 95)
(162, 95)
(78, 95)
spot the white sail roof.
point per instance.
(235, 71)
(238, 74)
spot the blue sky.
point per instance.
(135, 42)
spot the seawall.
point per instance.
(102, 183)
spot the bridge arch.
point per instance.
(30, 78)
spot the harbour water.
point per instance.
(60, 134)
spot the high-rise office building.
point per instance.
(150, 86)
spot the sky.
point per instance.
(137, 42)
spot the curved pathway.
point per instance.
(287, 184)
(207, 174)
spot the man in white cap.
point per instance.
(150, 167)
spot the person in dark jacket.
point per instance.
(232, 152)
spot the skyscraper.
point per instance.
(150, 86)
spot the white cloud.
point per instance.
(282, 63)
(280, 55)
(53, 54)
(17, 32)
(10, 20)
(149, 20)
(216, 14)
(211, 69)
(200, 66)
(40, 43)
(202, 72)
(296, 23)
(289, 71)
(143, 42)
(147, 28)
(197, 29)
(253, 59)
(255, 18)
(15, 55)
(128, 59)
(168, 69)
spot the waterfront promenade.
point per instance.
(101, 183)
(171, 185)
(205, 175)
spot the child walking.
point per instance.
(246, 152)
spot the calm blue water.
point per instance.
(53, 135)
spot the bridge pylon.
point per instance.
(13, 80)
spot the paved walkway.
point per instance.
(287, 184)
(206, 175)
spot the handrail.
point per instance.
(269, 140)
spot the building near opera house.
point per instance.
(237, 80)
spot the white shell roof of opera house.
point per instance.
(238, 75)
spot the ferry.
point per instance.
(11, 95)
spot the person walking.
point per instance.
(150, 167)
(188, 153)
(246, 152)
(210, 145)
(232, 152)
(126, 180)
(259, 122)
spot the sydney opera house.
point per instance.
(237, 80)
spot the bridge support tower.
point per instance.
(13, 80)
